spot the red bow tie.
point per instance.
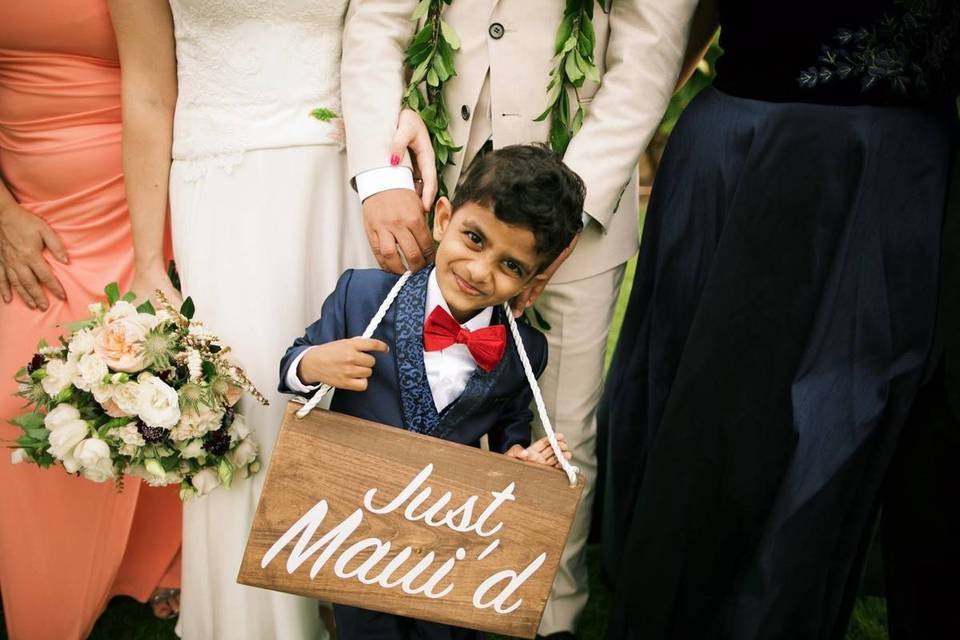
(486, 345)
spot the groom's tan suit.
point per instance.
(500, 88)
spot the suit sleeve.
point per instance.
(331, 326)
(376, 33)
(513, 427)
(644, 54)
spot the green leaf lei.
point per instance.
(573, 65)
(429, 57)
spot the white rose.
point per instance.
(18, 455)
(101, 473)
(127, 397)
(194, 424)
(120, 309)
(65, 437)
(70, 462)
(238, 429)
(192, 449)
(205, 481)
(243, 454)
(102, 393)
(81, 343)
(59, 376)
(159, 405)
(93, 455)
(155, 475)
(60, 415)
(129, 434)
(91, 370)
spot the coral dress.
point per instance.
(67, 544)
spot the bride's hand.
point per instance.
(412, 135)
(147, 281)
(395, 220)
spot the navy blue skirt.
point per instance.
(779, 323)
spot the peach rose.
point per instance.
(120, 342)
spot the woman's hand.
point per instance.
(396, 217)
(146, 282)
(412, 135)
(23, 267)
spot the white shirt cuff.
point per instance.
(374, 181)
(294, 383)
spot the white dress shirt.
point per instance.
(448, 370)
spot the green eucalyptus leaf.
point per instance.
(577, 121)
(421, 9)
(28, 421)
(592, 73)
(147, 307)
(420, 71)
(432, 79)
(449, 35)
(41, 434)
(566, 28)
(113, 292)
(571, 68)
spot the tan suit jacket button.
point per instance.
(496, 31)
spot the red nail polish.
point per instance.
(394, 160)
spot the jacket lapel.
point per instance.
(416, 399)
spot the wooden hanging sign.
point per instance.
(361, 514)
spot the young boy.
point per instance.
(441, 362)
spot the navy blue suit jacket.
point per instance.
(398, 394)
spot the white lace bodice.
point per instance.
(251, 71)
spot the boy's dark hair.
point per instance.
(528, 185)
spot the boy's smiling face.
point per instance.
(481, 261)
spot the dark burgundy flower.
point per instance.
(151, 434)
(217, 442)
(36, 362)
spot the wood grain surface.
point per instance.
(336, 458)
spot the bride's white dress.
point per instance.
(263, 223)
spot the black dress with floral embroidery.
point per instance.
(842, 52)
(780, 320)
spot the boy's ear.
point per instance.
(539, 279)
(442, 213)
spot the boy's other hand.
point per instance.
(342, 364)
(540, 452)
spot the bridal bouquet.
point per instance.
(138, 391)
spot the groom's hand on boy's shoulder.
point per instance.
(395, 218)
(342, 364)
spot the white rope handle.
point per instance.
(568, 468)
